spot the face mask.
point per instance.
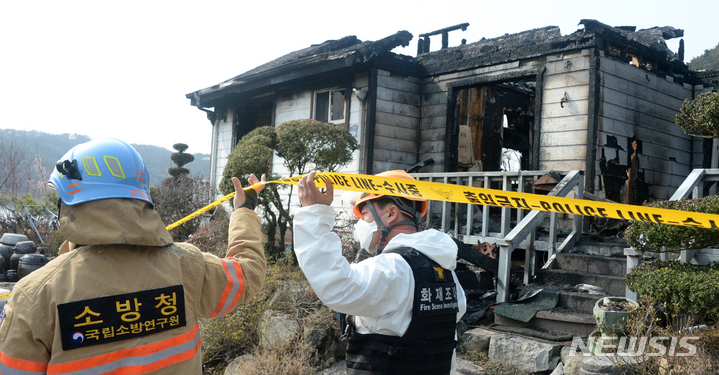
(364, 232)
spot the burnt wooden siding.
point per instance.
(638, 103)
(565, 112)
(433, 123)
(396, 122)
(221, 145)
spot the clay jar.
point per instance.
(11, 275)
(29, 263)
(21, 248)
(7, 243)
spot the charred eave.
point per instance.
(332, 57)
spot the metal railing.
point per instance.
(459, 219)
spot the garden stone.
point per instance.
(277, 329)
(337, 350)
(598, 365)
(315, 338)
(476, 340)
(339, 368)
(524, 354)
(285, 298)
(232, 367)
(572, 363)
(465, 367)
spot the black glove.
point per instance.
(250, 199)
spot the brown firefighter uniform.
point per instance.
(128, 300)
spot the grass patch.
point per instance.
(491, 367)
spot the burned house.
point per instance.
(601, 100)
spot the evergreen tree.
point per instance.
(180, 158)
(708, 60)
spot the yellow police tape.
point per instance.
(491, 197)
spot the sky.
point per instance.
(122, 68)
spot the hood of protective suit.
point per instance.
(113, 221)
(436, 245)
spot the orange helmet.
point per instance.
(364, 197)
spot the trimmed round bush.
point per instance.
(678, 287)
(655, 237)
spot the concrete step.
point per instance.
(606, 249)
(578, 301)
(611, 285)
(572, 300)
(556, 320)
(593, 264)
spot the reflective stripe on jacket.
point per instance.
(30, 333)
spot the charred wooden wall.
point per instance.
(565, 112)
(396, 122)
(638, 104)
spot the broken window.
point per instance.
(330, 105)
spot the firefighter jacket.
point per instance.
(127, 299)
(379, 291)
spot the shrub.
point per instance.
(226, 338)
(491, 367)
(293, 358)
(212, 238)
(647, 322)
(176, 198)
(645, 236)
(678, 288)
(700, 117)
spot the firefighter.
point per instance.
(123, 297)
(405, 302)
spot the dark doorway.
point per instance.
(496, 126)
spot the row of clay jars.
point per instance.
(24, 260)
(7, 248)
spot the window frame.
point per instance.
(330, 105)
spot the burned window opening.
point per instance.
(495, 126)
(248, 118)
(624, 183)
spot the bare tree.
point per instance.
(37, 182)
(177, 197)
(13, 166)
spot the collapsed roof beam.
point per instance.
(423, 43)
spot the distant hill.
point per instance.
(708, 60)
(51, 147)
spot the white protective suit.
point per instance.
(377, 291)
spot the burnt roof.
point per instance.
(343, 52)
(335, 55)
(708, 77)
(649, 43)
(509, 47)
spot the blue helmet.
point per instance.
(101, 169)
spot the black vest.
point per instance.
(428, 344)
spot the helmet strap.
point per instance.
(385, 231)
